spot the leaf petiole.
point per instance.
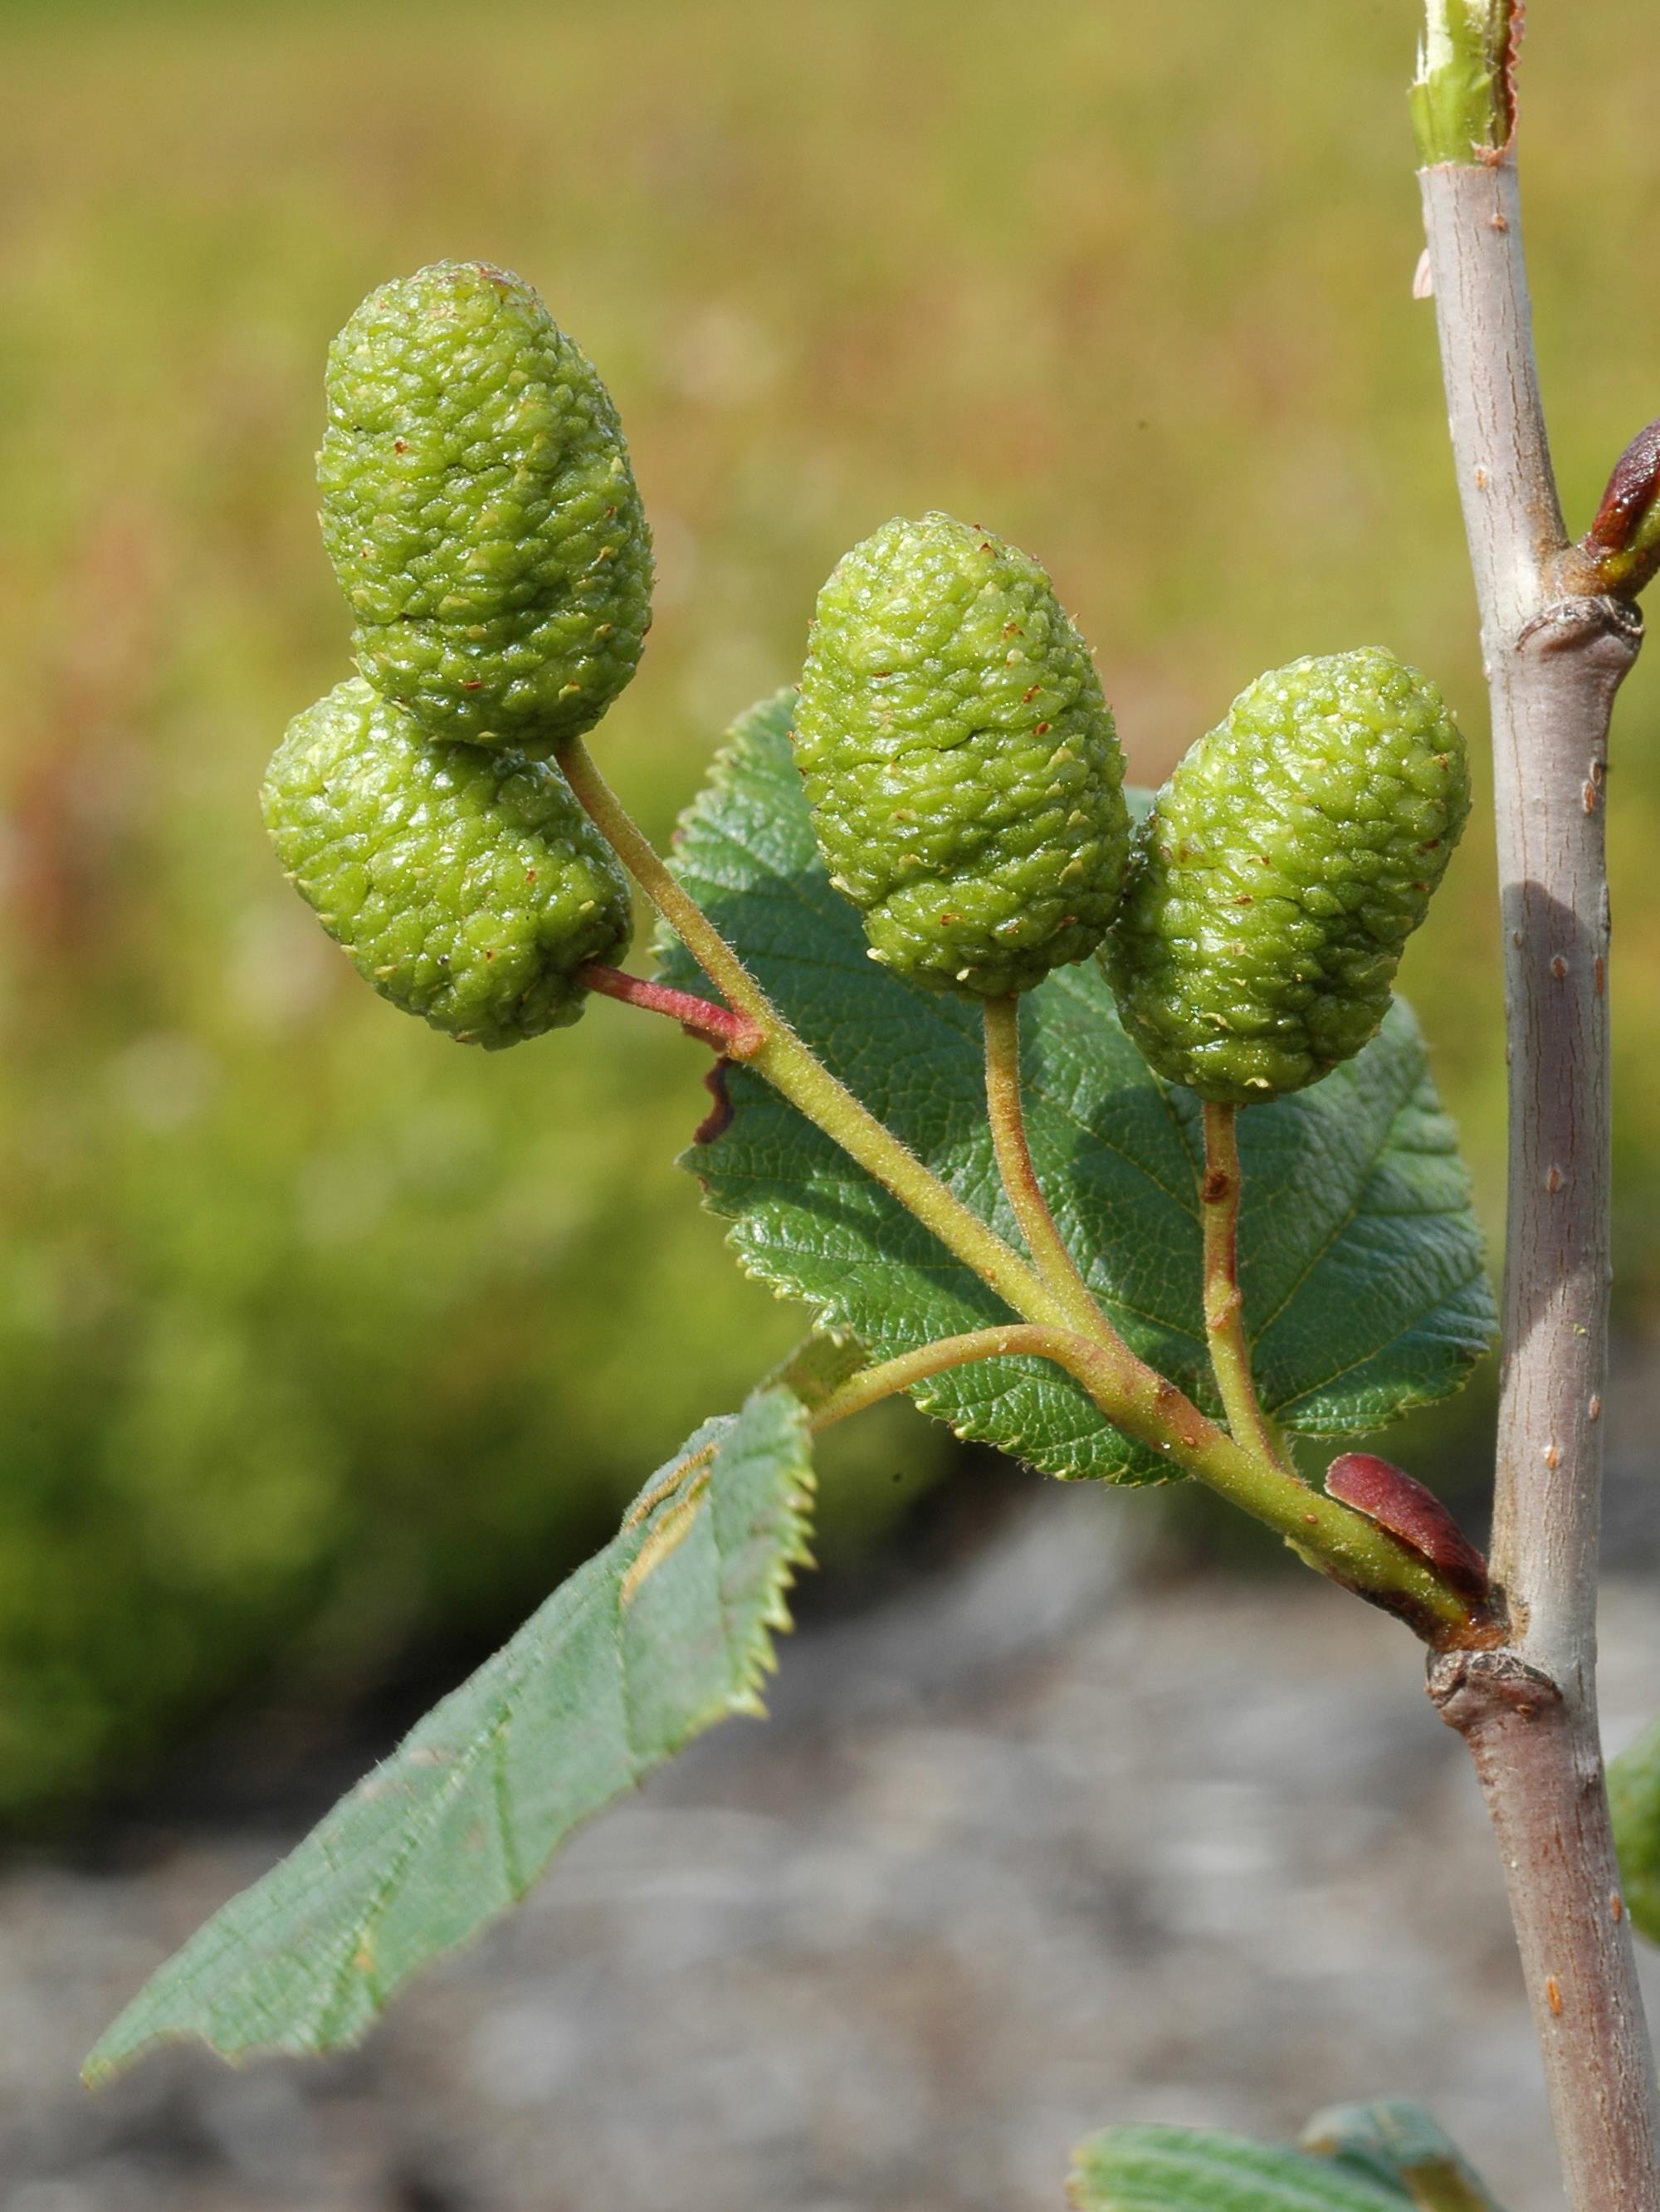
(889, 1376)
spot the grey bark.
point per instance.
(1555, 654)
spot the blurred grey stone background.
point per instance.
(1047, 1840)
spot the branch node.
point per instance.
(1474, 1690)
(1586, 622)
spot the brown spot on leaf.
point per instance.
(666, 1539)
(718, 1120)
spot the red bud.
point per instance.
(1631, 487)
(1624, 541)
(1387, 1495)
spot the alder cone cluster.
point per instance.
(485, 526)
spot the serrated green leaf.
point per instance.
(659, 1636)
(1165, 2169)
(1400, 2146)
(1360, 1259)
(1634, 1795)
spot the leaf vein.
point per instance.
(1348, 1219)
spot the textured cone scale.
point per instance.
(1282, 869)
(960, 762)
(480, 511)
(467, 886)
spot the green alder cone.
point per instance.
(467, 887)
(1282, 869)
(960, 762)
(480, 511)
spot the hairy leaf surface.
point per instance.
(663, 1633)
(1400, 2146)
(1361, 1261)
(1165, 2169)
(1634, 1795)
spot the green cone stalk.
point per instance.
(960, 762)
(480, 511)
(1282, 869)
(468, 887)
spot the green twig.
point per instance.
(1341, 1543)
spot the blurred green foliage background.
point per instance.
(315, 1331)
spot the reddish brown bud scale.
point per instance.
(1391, 1497)
(1623, 542)
(1630, 492)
